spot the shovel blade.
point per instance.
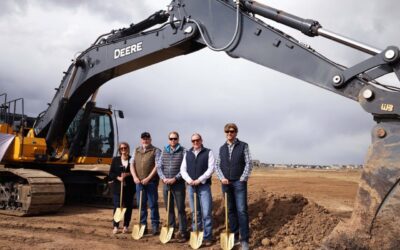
(138, 231)
(227, 241)
(166, 234)
(196, 239)
(119, 214)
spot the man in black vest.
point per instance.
(233, 167)
(197, 167)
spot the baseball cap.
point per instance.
(145, 135)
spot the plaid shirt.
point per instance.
(247, 157)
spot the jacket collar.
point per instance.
(169, 149)
(235, 142)
(149, 148)
(202, 149)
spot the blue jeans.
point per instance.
(178, 195)
(150, 196)
(237, 208)
(204, 208)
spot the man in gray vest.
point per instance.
(197, 167)
(168, 168)
(233, 167)
(144, 172)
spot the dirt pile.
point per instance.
(283, 221)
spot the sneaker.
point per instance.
(115, 230)
(245, 245)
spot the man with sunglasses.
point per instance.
(168, 168)
(197, 167)
(233, 167)
(144, 172)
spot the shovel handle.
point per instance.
(168, 203)
(140, 203)
(226, 212)
(195, 210)
(120, 194)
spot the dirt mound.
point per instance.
(283, 221)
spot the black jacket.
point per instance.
(116, 169)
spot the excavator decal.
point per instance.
(128, 50)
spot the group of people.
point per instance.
(180, 169)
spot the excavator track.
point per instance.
(29, 192)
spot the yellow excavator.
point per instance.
(34, 180)
(40, 152)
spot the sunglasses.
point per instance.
(173, 138)
(196, 140)
(230, 131)
(123, 148)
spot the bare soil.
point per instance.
(288, 209)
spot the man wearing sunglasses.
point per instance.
(233, 168)
(144, 172)
(168, 168)
(197, 167)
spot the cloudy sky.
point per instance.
(284, 120)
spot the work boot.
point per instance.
(182, 237)
(155, 231)
(208, 242)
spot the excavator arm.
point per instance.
(233, 27)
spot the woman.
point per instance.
(119, 172)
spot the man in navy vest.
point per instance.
(233, 167)
(168, 168)
(197, 167)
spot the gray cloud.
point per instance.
(283, 119)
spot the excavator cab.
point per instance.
(91, 137)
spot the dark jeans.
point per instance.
(150, 196)
(127, 202)
(237, 208)
(178, 195)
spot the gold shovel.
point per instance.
(196, 237)
(227, 238)
(167, 231)
(138, 229)
(120, 212)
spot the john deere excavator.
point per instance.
(43, 148)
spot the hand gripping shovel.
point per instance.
(167, 231)
(138, 229)
(227, 238)
(196, 237)
(120, 212)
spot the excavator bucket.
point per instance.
(375, 222)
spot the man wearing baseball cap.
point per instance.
(144, 172)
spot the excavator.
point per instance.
(43, 150)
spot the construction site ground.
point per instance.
(288, 209)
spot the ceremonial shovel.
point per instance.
(227, 238)
(138, 229)
(167, 231)
(196, 237)
(120, 212)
